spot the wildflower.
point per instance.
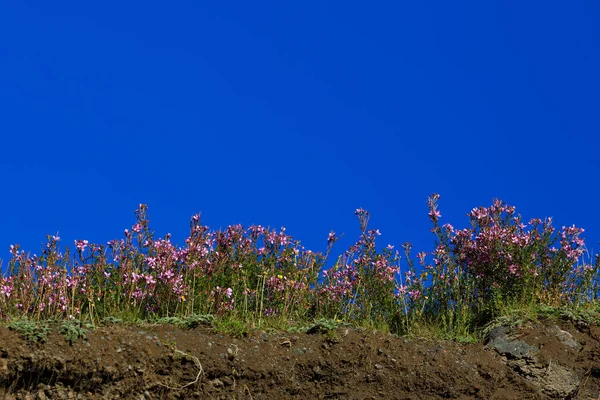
(331, 237)
(435, 214)
(6, 290)
(81, 244)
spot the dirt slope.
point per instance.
(154, 362)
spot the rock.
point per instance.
(554, 380)
(497, 333)
(3, 365)
(499, 340)
(227, 381)
(559, 382)
(565, 337)
(513, 349)
(217, 383)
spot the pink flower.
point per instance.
(435, 214)
(229, 292)
(6, 290)
(414, 294)
(81, 244)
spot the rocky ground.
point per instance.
(535, 361)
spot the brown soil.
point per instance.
(121, 362)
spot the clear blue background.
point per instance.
(294, 114)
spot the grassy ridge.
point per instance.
(255, 276)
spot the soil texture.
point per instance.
(535, 361)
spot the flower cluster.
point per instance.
(500, 261)
(258, 272)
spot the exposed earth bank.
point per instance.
(535, 361)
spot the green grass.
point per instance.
(74, 330)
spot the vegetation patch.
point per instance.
(501, 269)
(73, 330)
(31, 331)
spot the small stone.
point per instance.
(3, 365)
(227, 381)
(565, 337)
(217, 383)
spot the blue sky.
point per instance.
(294, 114)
